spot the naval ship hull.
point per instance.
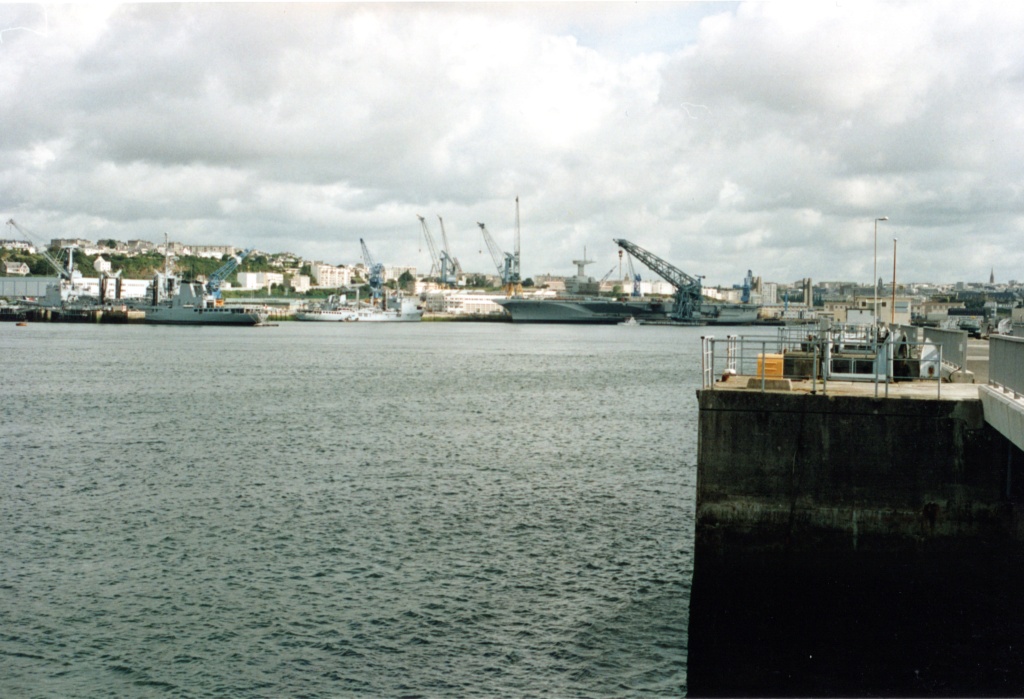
(610, 312)
(187, 315)
(581, 311)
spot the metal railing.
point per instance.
(820, 355)
(953, 344)
(1006, 363)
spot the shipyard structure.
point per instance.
(858, 519)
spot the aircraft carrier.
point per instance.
(593, 311)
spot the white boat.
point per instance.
(406, 311)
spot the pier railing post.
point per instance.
(764, 361)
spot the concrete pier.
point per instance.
(848, 545)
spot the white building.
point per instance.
(259, 280)
(299, 283)
(101, 264)
(461, 302)
(15, 269)
(18, 245)
(331, 277)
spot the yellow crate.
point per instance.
(771, 364)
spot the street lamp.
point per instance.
(874, 271)
(893, 316)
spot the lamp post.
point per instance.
(892, 320)
(874, 271)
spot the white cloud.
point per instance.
(720, 136)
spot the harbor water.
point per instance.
(332, 510)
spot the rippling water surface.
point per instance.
(431, 509)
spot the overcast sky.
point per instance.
(720, 136)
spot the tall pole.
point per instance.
(893, 310)
(874, 271)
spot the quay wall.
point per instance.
(854, 546)
(782, 470)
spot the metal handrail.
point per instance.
(1006, 363)
(749, 356)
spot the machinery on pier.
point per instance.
(688, 297)
(375, 270)
(506, 262)
(443, 266)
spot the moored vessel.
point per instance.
(406, 310)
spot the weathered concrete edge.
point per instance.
(1004, 412)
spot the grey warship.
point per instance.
(687, 307)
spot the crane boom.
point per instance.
(505, 262)
(375, 270)
(62, 271)
(435, 261)
(223, 272)
(453, 262)
(688, 288)
(446, 268)
(496, 254)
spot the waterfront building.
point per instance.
(15, 269)
(21, 245)
(331, 277)
(299, 283)
(461, 302)
(259, 280)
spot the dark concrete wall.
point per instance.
(849, 473)
(850, 546)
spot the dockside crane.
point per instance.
(453, 262)
(223, 272)
(375, 270)
(506, 262)
(64, 272)
(688, 297)
(441, 261)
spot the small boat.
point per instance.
(630, 321)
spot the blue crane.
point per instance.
(375, 270)
(688, 288)
(223, 272)
(441, 262)
(506, 262)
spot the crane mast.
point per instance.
(504, 261)
(688, 288)
(375, 271)
(515, 278)
(435, 261)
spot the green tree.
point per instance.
(528, 283)
(406, 280)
